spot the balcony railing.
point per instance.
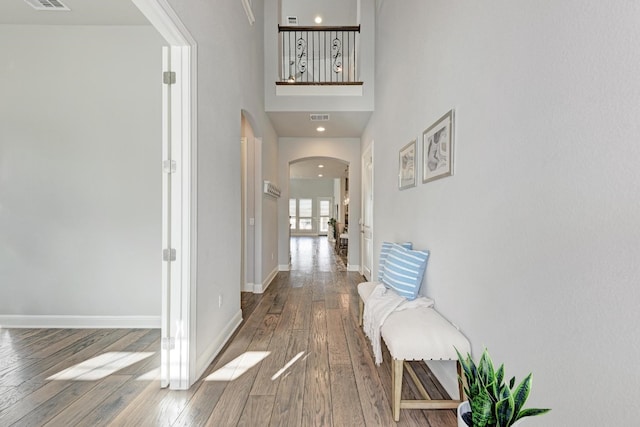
(319, 55)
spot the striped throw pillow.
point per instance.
(384, 253)
(404, 270)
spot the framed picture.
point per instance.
(407, 166)
(437, 149)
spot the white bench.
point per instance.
(417, 334)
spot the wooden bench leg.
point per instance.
(461, 384)
(360, 318)
(396, 377)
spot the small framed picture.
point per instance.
(407, 166)
(437, 149)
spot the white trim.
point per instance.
(284, 267)
(258, 289)
(80, 322)
(248, 287)
(182, 317)
(214, 348)
(319, 90)
(249, 11)
(166, 21)
(353, 267)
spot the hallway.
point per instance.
(298, 359)
(309, 316)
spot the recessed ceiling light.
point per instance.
(320, 175)
(318, 20)
(320, 166)
(320, 129)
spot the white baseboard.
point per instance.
(353, 267)
(284, 267)
(80, 322)
(205, 359)
(248, 287)
(258, 289)
(447, 374)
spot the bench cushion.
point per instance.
(422, 334)
(365, 289)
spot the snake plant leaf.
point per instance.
(512, 382)
(521, 393)
(505, 410)
(481, 410)
(500, 374)
(530, 412)
(485, 367)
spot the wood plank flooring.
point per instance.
(314, 366)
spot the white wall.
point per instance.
(535, 240)
(292, 149)
(80, 177)
(333, 12)
(226, 42)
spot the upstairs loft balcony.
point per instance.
(319, 61)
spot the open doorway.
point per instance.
(319, 201)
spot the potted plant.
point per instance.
(333, 232)
(492, 403)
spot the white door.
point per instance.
(175, 251)
(366, 223)
(324, 213)
(178, 356)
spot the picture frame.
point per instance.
(437, 149)
(407, 166)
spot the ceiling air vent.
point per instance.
(319, 117)
(56, 5)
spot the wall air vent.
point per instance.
(292, 20)
(319, 117)
(54, 5)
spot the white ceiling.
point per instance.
(344, 124)
(310, 168)
(83, 12)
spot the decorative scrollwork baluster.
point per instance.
(336, 55)
(301, 55)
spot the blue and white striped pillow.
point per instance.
(384, 253)
(404, 270)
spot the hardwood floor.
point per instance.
(305, 362)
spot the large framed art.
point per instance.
(437, 149)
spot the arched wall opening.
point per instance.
(295, 150)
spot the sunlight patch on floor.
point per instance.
(100, 366)
(238, 366)
(287, 366)
(152, 375)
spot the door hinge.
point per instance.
(168, 343)
(169, 166)
(168, 254)
(169, 77)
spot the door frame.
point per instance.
(368, 153)
(179, 279)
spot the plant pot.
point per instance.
(462, 408)
(465, 407)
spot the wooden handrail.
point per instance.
(283, 28)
